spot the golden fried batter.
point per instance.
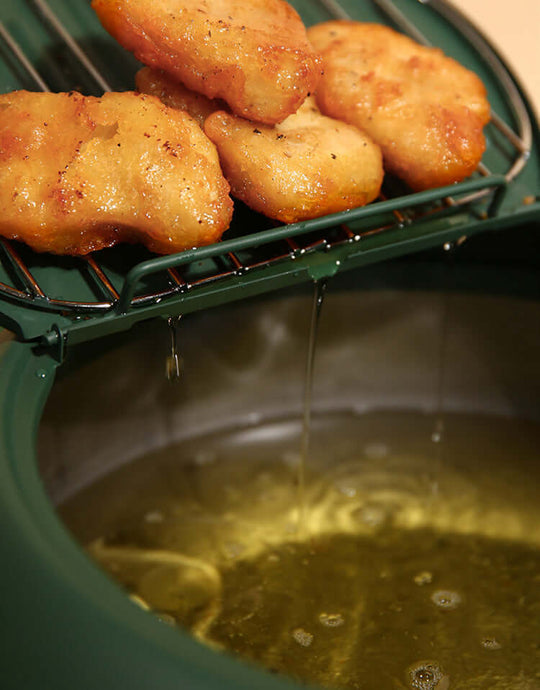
(82, 173)
(174, 94)
(252, 53)
(424, 109)
(307, 166)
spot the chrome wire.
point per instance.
(71, 43)
(21, 57)
(335, 9)
(31, 290)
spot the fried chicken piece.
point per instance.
(252, 53)
(424, 109)
(174, 94)
(307, 166)
(80, 173)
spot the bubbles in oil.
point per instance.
(384, 565)
(423, 578)
(427, 675)
(490, 643)
(165, 618)
(303, 637)
(346, 489)
(372, 514)
(154, 517)
(233, 549)
(331, 620)
(446, 599)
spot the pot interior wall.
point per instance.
(388, 349)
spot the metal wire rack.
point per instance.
(138, 280)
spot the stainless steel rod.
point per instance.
(21, 57)
(72, 44)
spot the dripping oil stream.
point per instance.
(319, 288)
(173, 362)
(438, 433)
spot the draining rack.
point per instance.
(58, 45)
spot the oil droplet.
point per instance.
(173, 362)
(331, 620)
(446, 599)
(319, 288)
(172, 368)
(438, 431)
(303, 638)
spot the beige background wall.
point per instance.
(514, 27)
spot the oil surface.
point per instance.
(417, 567)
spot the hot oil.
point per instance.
(397, 586)
(381, 551)
(173, 361)
(318, 298)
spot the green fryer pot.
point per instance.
(64, 623)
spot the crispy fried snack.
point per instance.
(307, 166)
(174, 94)
(424, 109)
(252, 53)
(81, 173)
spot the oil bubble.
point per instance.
(427, 675)
(372, 514)
(303, 637)
(490, 643)
(166, 618)
(376, 451)
(346, 489)
(331, 620)
(446, 599)
(423, 578)
(154, 517)
(233, 549)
